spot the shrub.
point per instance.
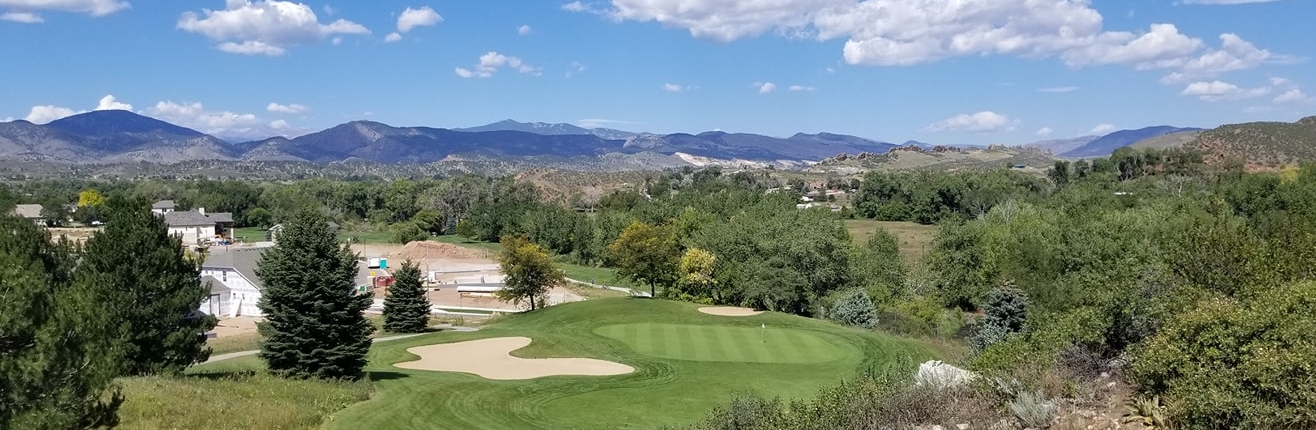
(856, 309)
(1231, 364)
(1033, 409)
(408, 232)
(1007, 310)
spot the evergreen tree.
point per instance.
(56, 365)
(150, 288)
(315, 321)
(1007, 312)
(406, 309)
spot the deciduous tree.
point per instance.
(646, 254)
(528, 273)
(315, 320)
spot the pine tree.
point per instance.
(56, 365)
(150, 288)
(406, 309)
(315, 321)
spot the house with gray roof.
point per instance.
(197, 227)
(31, 213)
(235, 289)
(162, 207)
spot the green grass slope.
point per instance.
(700, 362)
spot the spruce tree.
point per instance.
(315, 324)
(57, 367)
(150, 288)
(406, 309)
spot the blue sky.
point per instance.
(940, 71)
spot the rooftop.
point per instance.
(194, 218)
(163, 204)
(28, 211)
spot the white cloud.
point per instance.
(265, 27)
(492, 61)
(985, 121)
(1234, 54)
(90, 7)
(392, 37)
(575, 69)
(904, 32)
(576, 6)
(1102, 129)
(1293, 96)
(1045, 131)
(47, 113)
(765, 87)
(412, 18)
(801, 88)
(23, 17)
(1218, 90)
(288, 108)
(110, 103)
(1226, 1)
(1057, 90)
(602, 123)
(337, 40)
(674, 88)
(524, 30)
(225, 124)
(328, 10)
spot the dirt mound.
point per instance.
(417, 251)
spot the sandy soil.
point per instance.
(235, 326)
(492, 359)
(729, 311)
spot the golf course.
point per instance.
(639, 363)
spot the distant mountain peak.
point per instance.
(117, 121)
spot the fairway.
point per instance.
(685, 362)
(724, 343)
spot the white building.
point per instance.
(162, 207)
(197, 226)
(234, 287)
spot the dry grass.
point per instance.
(915, 239)
(234, 343)
(243, 400)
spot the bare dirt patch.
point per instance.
(492, 359)
(729, 311)
(228, 327)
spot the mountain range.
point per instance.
(117, 136)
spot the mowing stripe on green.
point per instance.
(724, 343)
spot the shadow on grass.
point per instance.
(386, 376)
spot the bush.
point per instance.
(1231, 364)
(408, 232)
(1007, 311)
(854, 308)
(1033, 409)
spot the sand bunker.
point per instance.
(729, 311)
(491, 359)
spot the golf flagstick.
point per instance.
(765, 329)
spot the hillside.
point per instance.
(1172, 140)
(939, 158)
(1260, 143)
(1110, 142)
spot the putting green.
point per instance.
(724, 343)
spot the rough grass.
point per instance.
(915, 239)
(226, 397)
(662, 391)
(235, 343)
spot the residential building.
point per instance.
(235, 289)
(162, 207)
(197, 227)
(31, 213)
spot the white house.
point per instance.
(197, 226)
(31, 213)
(234, 287)
(162, 207)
